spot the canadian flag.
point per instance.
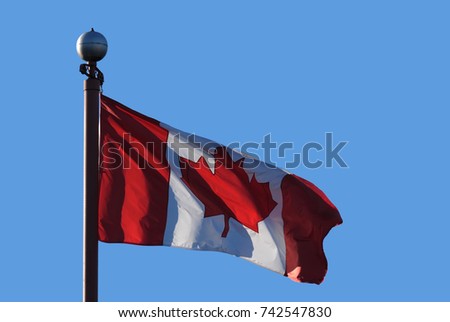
(162, 186)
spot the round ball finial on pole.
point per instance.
(92, 46)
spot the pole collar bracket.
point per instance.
(92, 71)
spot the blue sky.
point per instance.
(375, 74)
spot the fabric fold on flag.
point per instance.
(163, 186)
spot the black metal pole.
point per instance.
(91, 47)
(92, 88)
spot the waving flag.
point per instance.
(162, 186)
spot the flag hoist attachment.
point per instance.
(91, 70)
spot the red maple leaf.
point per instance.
(228, 191)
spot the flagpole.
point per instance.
(91, 47)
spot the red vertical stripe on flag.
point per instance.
(134, 176)
(308, 216)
